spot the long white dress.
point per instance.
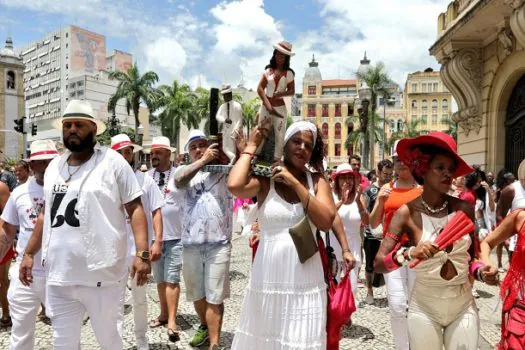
(285, 302)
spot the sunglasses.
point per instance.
(162, 176)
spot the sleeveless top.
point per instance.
(428, 272)
(518, 202)
(277, 82)
(397, 198)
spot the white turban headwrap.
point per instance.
(298, 127)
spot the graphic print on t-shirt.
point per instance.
(36, 208)
(70, 214)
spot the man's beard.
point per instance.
(86, 143)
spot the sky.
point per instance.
(218, 42)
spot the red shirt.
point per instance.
(468, 196)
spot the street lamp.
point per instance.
(365, 94)
(140, 137)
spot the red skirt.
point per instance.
(513, 336)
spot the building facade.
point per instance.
(481, 47)
(427, 100)
(59, 66)
(328, 103)
(11, 101)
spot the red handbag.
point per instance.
(341, 303)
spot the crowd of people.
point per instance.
(85, 225)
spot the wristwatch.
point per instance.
(400, 256)
(143, 254)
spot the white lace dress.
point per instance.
(285, 302)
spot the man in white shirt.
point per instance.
(230, 115)
(20, 213)
(87, 192)
(167, 269)
(152, 202)
(206, 237)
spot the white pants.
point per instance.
(443, 316)
(279, 128)
(140, 307)
(24, 304)
(398, 285)
(66, 306)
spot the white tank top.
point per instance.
(519, 196)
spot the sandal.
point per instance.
(6, 322)
(157, 323)
(173, 335)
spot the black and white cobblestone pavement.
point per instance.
(370, 329)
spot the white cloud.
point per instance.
(165, 56)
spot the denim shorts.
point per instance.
(168, 267)
(207, 272)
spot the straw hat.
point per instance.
(42, 150)
(284, 47)
(80, 109)
(161, 142)
(121, 141)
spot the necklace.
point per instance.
(165, 190)
(76, 171)
(432, 210)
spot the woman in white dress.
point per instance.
(286, 300)
(351, 214)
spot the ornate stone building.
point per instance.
(11, 101)
(481, 47)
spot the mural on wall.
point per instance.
(123, 61)
(88, 51)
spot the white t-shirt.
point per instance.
(85, 237)
(173, 207)
(22, 209)
(208, 210)
(151, 201)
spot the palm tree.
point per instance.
(452, 127)
(377, 79)
(410, 129)
(357, 137)
(249, 111)
(178, 103)
(134, 89)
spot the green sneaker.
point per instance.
(200, 337)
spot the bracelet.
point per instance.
(346, 250)
(252, 155)
(390, 263)
(29, 255)
(409, 254)
(392, 236)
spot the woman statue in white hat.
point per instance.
(276, 82)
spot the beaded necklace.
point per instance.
(165, 190)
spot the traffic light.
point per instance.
(19, 125)
(33, 129)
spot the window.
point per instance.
(424, 105)
(424, 87)
(325, 130)
(400, 125)
(80, 93)
(10, 83)
(436, 85)
(311, 90)
(311, 110)
(392, 126)
(67, 34)
(434, 118)
(414, 104)
(337, 149)
(424, 119)
(414, 87)
(338, 110)
(414, 117)
(325, 110)
(434, 105)
(80, 83)
(72, 85)
(444, 104)
(338, 131)
(445, 116)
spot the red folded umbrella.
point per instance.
(459, 226)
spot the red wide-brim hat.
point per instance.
(344, 168)
(438, 139)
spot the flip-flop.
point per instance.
(157, 323)
(173, 335)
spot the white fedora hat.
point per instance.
(194, 136)
(225, 89)
(284, 47)
(42, 149)
(121, 141)
(161, 142)
(80, 109)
